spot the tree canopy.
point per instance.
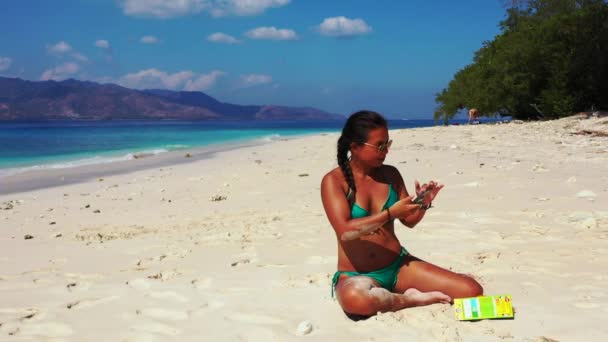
(550, 60)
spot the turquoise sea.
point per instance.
(59, 144)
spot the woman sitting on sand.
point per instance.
(362, 197)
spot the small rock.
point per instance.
(216, 198)
(240, 262)
(7, 205)
(28, 237)
(303, 175)
(87, 206)
(257, 161)
(58, 235)
(588, 223)
(584, 220)
(52, 223)
(188, 155)
(304, 328)
(100, 180)
(588, 194)
(96, 211)
(545, 339)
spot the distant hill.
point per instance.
(82, 100)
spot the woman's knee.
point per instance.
(469, 287)
(357, 301)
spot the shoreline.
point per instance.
(47, 177)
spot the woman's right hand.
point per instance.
(403, 208)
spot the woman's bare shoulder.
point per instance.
(334, 178)
(333, 173)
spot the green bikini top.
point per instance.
(358, 212)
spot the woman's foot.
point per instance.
(425, 298)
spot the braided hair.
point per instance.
(355, 130)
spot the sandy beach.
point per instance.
(236, 246)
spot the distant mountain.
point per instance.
(82, 100)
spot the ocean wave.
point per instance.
(144, 154)
(176, 147)
(82, 162)
(270, 138)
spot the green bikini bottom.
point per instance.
(387, 276)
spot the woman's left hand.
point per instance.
(433, 189)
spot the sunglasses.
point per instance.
(383, 147)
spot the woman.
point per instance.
(362, 197)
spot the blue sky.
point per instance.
(391, 56)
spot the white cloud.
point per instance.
(271, 33)
(343, 27)
(59, 48)
(219, 37)
(102, 44)
(182, 80)
(149, 40)
(60, 72)
(79, 57)
(220, 8)
(204, 82)
(5, 63)
(255, 80)
(161, 8)
(164, 9)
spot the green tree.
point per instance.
(550, 60)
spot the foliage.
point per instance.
(550, 60)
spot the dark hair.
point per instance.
(356, 129)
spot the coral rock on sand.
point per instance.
(304, 328)
(588, 194)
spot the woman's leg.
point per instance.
(363, 296)
(425, 277)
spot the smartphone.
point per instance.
(420, 198)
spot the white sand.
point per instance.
(524, 208)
